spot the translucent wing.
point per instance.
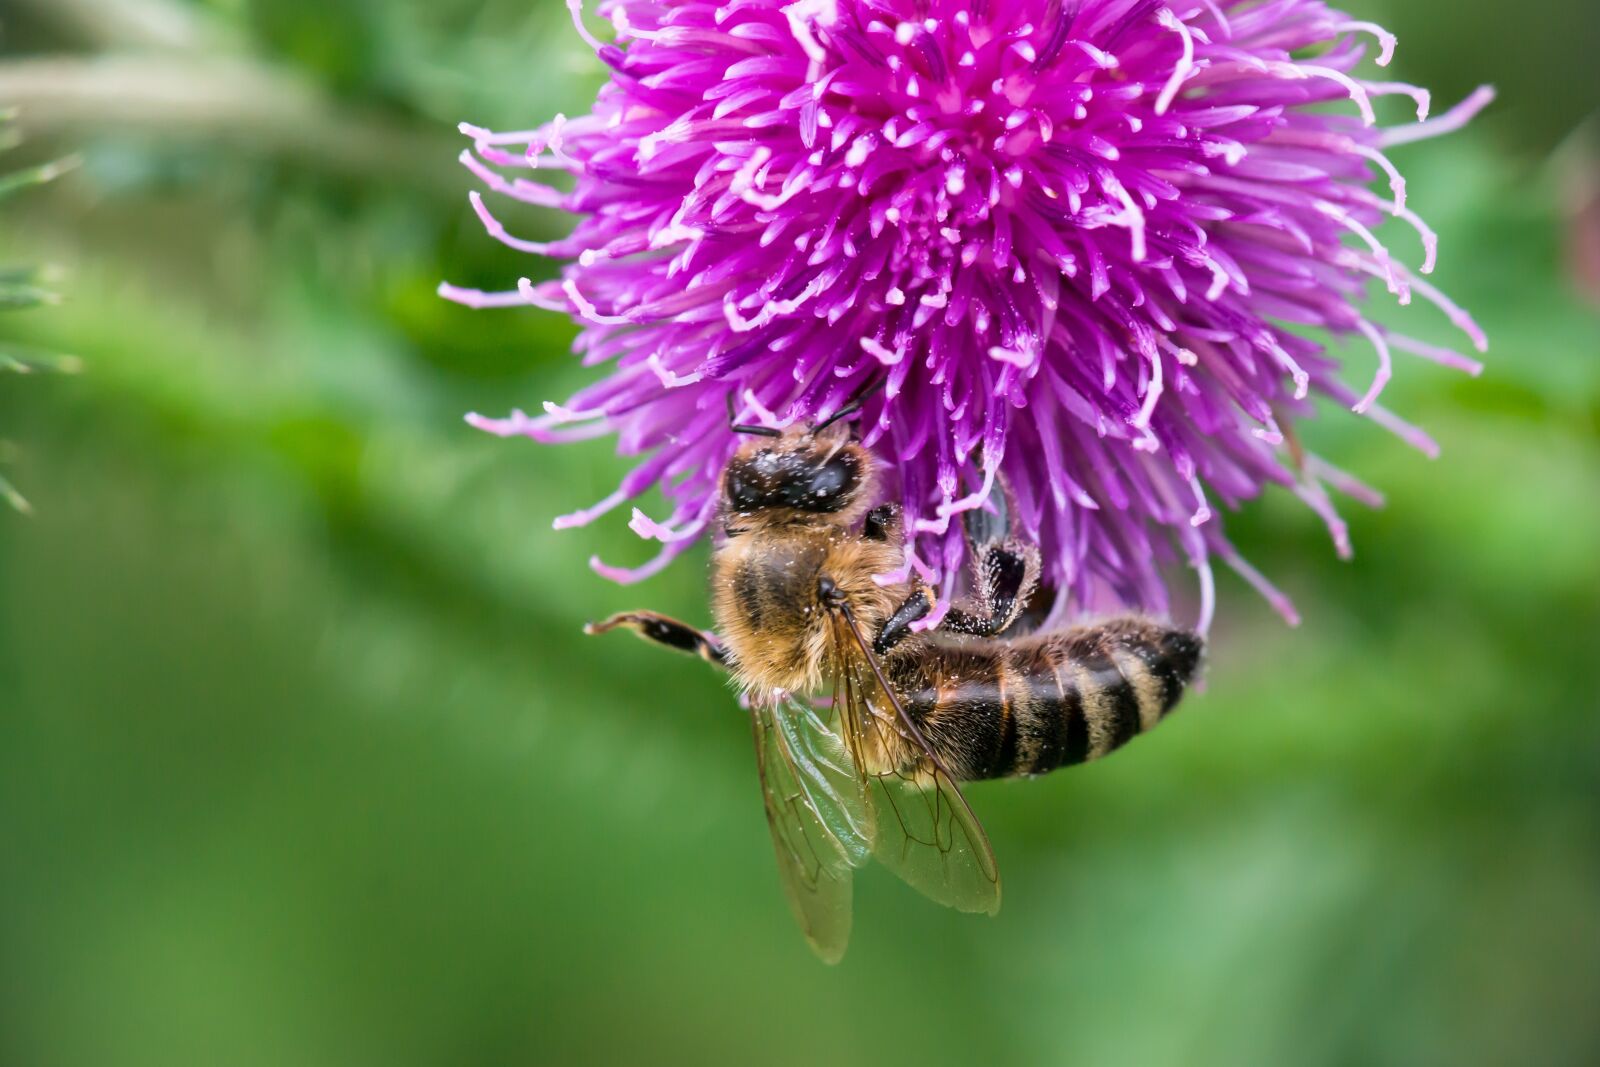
(925, 831)
(826, 777)
(815, 809)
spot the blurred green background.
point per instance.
(303, 759)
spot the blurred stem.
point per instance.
(21, 179)
(24, 359)
(250, 104)
(123, 24)
(9, 495)
(13, 297)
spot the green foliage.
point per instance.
(24, 287)
(303, 759)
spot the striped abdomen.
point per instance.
(997, 708)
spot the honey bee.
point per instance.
(873, 772)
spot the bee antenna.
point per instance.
(756, 431)
(854, 404)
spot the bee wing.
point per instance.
(815, 811)
(926, 832)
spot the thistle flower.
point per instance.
(1074, 238)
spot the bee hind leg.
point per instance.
(1006, 573)
(665, 630)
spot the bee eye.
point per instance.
(827, 488)
(743, 493)
(791, 480)
(831, 480)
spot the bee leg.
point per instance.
(1005, 578)
(898, 625)
(883, 523)
(666, 631)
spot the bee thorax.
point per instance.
(768, 596)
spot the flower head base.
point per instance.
(1073, 238)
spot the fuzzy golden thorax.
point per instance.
(791, 508)
(766, 596)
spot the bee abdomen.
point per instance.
(1086, 693)
(996, 709)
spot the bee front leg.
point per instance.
(883, 523)
(665, 631)
(898, 625)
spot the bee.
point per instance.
(873, 772)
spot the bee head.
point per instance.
(799, 474)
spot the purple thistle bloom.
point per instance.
(1075, 239)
